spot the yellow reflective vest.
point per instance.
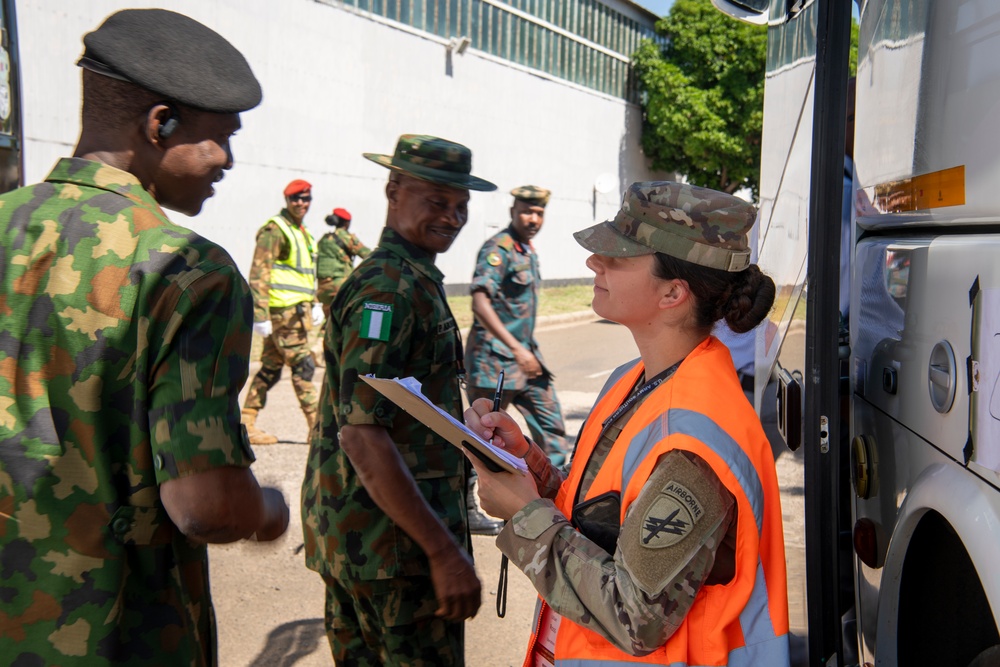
(293, 279)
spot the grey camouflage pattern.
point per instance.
(585, 584)
(699, 225)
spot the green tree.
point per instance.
(703, 96)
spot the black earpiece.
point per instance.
(169, 126)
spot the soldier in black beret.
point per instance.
(135, 454)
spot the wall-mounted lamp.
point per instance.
(603, 184)
(458, 44)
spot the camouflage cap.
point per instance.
(532, 194)
(433, 159)
(699, 225)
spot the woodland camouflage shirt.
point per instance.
(507, 271)
(389, 319)
(123, 347)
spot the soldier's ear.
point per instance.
(674, 293)
(392, 192)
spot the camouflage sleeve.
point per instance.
(638, 598)
(548, 478)
(196, 378)
(382, 352)
(358, 248)
(490, 267)
(270, 242)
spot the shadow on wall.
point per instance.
(290, 642)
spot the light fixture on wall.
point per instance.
(603, 184)
(458, 44)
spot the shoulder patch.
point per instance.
(670, 518)
(376, 318)
(493, 259)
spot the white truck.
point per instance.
(11, 139)
(898, 411)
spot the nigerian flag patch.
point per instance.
(376, 319)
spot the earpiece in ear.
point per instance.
(169, 127)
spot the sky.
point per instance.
(661, 7)
(658, 7)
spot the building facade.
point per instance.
(539, 89)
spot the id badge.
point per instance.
(544, 651)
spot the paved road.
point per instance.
(270, 607)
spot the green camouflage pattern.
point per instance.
(347, 536)
(123, 347)
(288, 345)
(433, 159)
(533, 194)
(390, 622)
(607, 594)
(507, 270)
(335, 253)
(699, 225)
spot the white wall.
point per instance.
(337, 84)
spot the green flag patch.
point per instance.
(376, 319)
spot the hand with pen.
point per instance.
(501, 494)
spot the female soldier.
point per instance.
(663, 545)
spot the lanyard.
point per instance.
(637, 395)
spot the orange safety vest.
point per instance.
(701, 409)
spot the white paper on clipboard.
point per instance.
(407, 394)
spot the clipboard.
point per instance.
(406, 393)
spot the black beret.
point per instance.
(175, 56)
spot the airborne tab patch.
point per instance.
(671, 517)
(376, 318)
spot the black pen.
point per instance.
(498, 396)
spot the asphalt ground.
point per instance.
(269, 606)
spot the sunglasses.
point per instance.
(305, 198)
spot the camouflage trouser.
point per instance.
(390, 622)
(287, 345)
(538, 403)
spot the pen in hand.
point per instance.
(498, 396)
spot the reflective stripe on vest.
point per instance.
(701, 428)
(293, 280)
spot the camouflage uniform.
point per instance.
(335, 253)
(289, 342)
(507, 270)
(125, 345)
(378, 579)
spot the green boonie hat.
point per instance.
(699, 225)
(172, 55)
(433, 159)
(532, 194)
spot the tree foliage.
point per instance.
(703, 96)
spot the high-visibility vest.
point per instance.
(701, 409)
(293, 279)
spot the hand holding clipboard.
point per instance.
(406, 393)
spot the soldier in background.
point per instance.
(335, 253)
(126, 341)
(383, 500)
(505, 302)
(283, 283)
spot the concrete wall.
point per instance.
(337, 84)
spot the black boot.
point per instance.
(479, 522)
